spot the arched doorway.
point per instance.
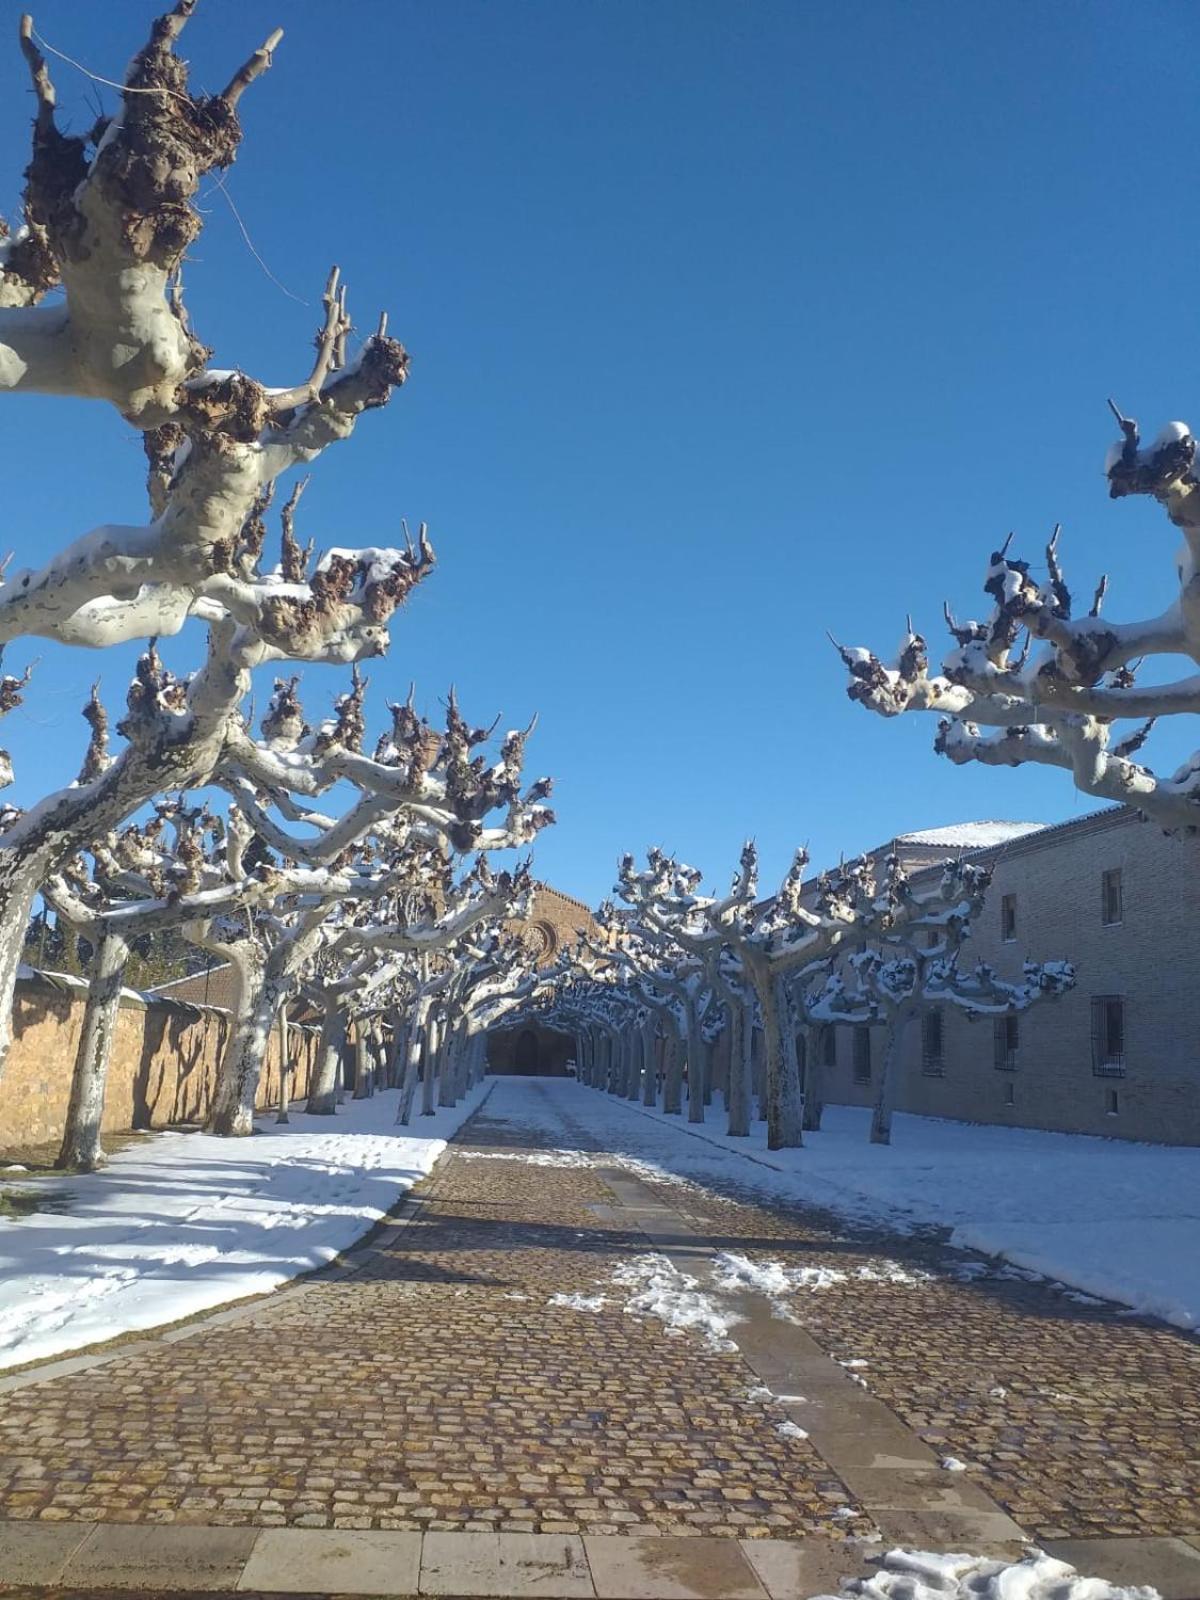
(525, 1057)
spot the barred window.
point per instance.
(1112, 909)
(933, 1061)
(862, 1055)
(1007, 1037)
(1108, 1035)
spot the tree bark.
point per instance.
(322, 1091)
(697, 1054)
(673, 1072)
(433, 1051)
(814, 1079)
(240, 1069)
(81, 1146)
(741, 1028)
(782, 1085)
(881, 1116)
(281, 1034)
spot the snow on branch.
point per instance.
(1034, 683)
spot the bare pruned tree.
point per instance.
(1037, 682)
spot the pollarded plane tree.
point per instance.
(92, 306)
(770, 941)
(1034, 683)
(427, 799)
(676, 987)
(140, 882)
(916, 965)
(367, 964)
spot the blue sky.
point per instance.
(729, 323)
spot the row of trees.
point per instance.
(735, 992)
(357, 883)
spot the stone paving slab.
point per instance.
(38, 1562)
(1174, 1562)
(38, 1552)
(349, 1561)
(126, 1556)
(671, 1569)
(809, 1567)
(505, 1564)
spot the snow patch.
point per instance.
(675, 1298)
(579, 1302)
(923, 1575)
(239, 1216)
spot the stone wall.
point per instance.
(163, 1065)
(1145, 959)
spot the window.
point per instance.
(1114, 1103)
(1010, 1097)
(932, 1057)
(933, 939)
(1007, 1037)
(1108, 1035)
(862, 1055)
(1008, 918)
(829, 1046)
(1111, 905)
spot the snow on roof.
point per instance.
(972, 835)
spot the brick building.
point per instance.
(556, 920)
(1120, 1054)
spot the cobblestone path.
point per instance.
(440, 1388)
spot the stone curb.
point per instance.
(217, 1559)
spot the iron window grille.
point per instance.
(1006, 1040)
(862, 1055)
(1112, 907)
(933, 1061)
(1108, 1036)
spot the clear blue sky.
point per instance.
(730, 323)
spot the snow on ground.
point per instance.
(921, 1575)
(184, 1222)
(1106, 1216)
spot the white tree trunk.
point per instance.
(322, 1091)
(433, 1044)
(881, 1116)
(240, 1070)
(650, 1074)
(673, 1072)
(412, 1062)
(281, 1034)
(814, 1078)
(741, 1028)
(81, 1140)
(782, 1084)
(697, 1059)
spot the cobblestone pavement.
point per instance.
(439, 1389)
(435, 1389)
(1080, 1419)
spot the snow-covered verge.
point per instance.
(185, 1222)
(1111, 1218)
(921, 1575)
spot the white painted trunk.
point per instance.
(81, 1146)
